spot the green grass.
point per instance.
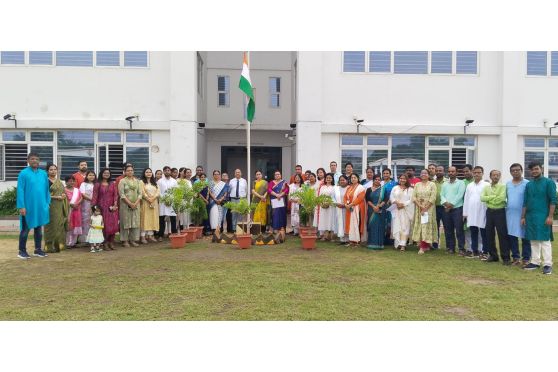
(218, 282)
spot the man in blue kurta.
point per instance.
(537, 215)
(515, 193)
(33, 201)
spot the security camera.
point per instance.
(360, 121)
(469, 121)
(7, 116)
(201, 125)
(130, 118)
(293, 126)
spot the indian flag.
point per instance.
(245, 85)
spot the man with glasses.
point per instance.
(515, 192)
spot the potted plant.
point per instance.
(177, 198)
(244, 209)
(197, 208)
(308, 201)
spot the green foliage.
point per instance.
(8, 203)
(308, 201)
(242, 207)
(185, 198)
(198, 210)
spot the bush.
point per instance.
(8, 202)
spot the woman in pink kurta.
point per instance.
(105, 196)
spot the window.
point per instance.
(135, 59)
(438, 141)
(223, 87)
(74, 146)
(13, 136)
(377, 140)
(353, 61)
(42, 136)
(543, 150)
(15, 160)
(441, 63)
(379, 62)
(464, 141)
(536, 63)
(554, 63)
(466, 62)
(405, 151)
(45, 153)
(411, 62)
(377, 159)
(111, 157)
(531, 156)
(274, 91)
(351, 140)
(135, 137)
(533, 142)
(74, 58)
(12, 58)
(1, 162)
(353, 156)
(40, 58)
(139, 157)
(109, 137)
(200, 76)
(108, 58)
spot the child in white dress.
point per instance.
(95, 234)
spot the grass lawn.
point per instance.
(207, 281)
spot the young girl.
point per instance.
(95, 234)
(74, 217)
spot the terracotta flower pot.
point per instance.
(244, 241)
(308, 241)
(190, 235)
(307, 231)
(177, 240)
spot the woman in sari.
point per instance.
(376, 198)
(401, 197)
(325, 215)
(74, 218)
(55, 231)
(339, 202)
(295, 207)
(369, 180)
(320, 175)
(217, 196)
(149, 212)
(278, 189)
(259, 192)
(129, 190)
(355, 209)
(424, 226)
(105, 196)
(86, 189)
(183, 218)
(204, 195)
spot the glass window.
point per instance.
(74, 146)
(40, 58)
(139, 157)
(274, 91)
(466, 62)
(351, 140)
(109, 137)
(13, 136)
(377, 159)
(133, 137)
(1, 162)
(15, 160)
(45, 155)
(464, 141)
(108, 58)
(223, 90)
(42, 136)
(553, 166)
(379, 62)
(439, 157)
(135, 59)
(438, 141)
(536, 63)
(74, 58)
(554, 63)
(12, 58)
(353, 61)
(553, 142)
(441, 62)
(411, 62)
(532, 156)
(377, 140)
(405, 151)
(534, 142)
(353, 156)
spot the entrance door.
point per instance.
(266, 159)
(112, 157)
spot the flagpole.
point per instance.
(249, 186)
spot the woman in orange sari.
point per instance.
(355, 210)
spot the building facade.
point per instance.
(373, 108)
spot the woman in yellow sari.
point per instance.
(259, 195)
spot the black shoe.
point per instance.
(547, 270)
(531, 266)
(492, 259)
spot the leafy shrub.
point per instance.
(8, 202)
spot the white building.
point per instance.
(72, 105)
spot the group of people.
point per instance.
(375, 211)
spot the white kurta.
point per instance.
(165, 184)
(326, 215)
(295, 218)
(184, 217)
(316, 187)
(473, 208)
(339, 219)
(401, 218)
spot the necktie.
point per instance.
(237, 186)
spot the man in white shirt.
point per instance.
(334, 171)
(474, 212)
(238, 189)
(164, 184)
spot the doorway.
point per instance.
(266, 159)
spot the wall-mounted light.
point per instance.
(11, 116)
(358, 122)
(293, 125)
(552, 127)
(467, 123)
(201, 125)
(130, 119)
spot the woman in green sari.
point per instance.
(259, 193)
(55, 231)
(129, 190)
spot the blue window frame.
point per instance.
(74, 58)
(410, 62)
(12, 58)
(40, 58)
(466, 63)
(379, 62)
(353, 61)
(441, 62)
(135, 59)
(537, 63)
(554, 63)
(108, 58)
